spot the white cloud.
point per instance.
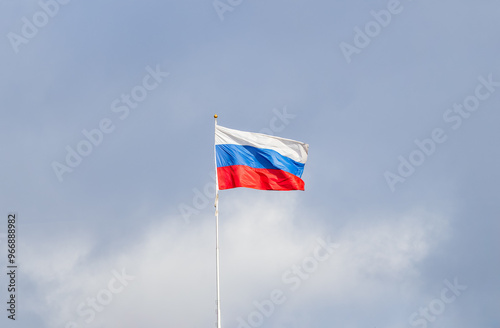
(173, 265)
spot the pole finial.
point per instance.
(215, 116)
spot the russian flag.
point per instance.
(258, 161)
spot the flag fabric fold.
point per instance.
(258, 161)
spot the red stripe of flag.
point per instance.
(263, 179)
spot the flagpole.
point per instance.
(217, 233)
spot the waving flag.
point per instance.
(258, 161)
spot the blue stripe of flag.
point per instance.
(259, 158)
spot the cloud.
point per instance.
(173, 266)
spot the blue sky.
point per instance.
(401, 181)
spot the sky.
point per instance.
(107, 136)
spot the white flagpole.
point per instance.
(217, 233)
